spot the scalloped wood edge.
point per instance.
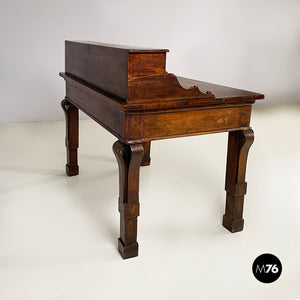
(163, 88)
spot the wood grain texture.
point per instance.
(101, 67)
(180, 122)
(100, 107)
(143, 65)
(222, 93)
(195, 121)
(239, 143)
(162, 87)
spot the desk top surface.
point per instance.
(220, 91)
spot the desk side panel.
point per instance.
(146, 64)
(102, 67)
(99, 108)
(170, 124)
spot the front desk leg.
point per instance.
(72, 136)
(129, 159)
(239, 143)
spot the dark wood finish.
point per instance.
(132, 76)
(222, 93)
(116, 65)
(106, 111)
(163, 87)
(188, 122)
(129, 159)
(239, 143)
(85, 60)
(128, 91)
(134, 126)
(72, 136)
(149, 64)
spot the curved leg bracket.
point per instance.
(72, 135)
(129, 159)
(239, 143)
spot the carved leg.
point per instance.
(239, 143)
(146, 159)
(129, 159)
(72, 133)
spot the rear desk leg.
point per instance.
(72, 134)
(129, 159)
(239, 143)
(146, 159)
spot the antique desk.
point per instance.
(128, 91)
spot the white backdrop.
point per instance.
(253, 45)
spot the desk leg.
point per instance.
(71, 114)
(129, 159)
(239, 143)
(146, 159)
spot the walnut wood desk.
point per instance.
(128, 91)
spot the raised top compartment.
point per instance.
(132, 74)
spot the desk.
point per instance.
(128, 91)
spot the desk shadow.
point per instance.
(97, 196)
(97, 157)
(50, 176)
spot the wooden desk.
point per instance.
(128, 91)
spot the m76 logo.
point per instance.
(267, 268)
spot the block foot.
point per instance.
(146, 162)
(128, 251)
(233, 226)
(72, 170)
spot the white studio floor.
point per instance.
(58, 235)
